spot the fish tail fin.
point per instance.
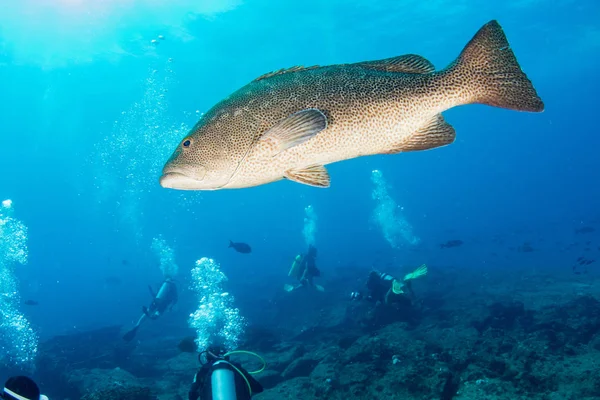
(491, 73)
(230, 243)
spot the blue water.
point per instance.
(91, 110)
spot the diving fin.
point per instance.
(422, 270)
(288, 288)
(319, 288)
(128, 337)
(294, 268)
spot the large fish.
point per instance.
(291, 123)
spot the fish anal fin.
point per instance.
(282, 71)
(436, 133)
(313, 175)
(408, 64)
(296, 129)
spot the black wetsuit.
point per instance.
(202, 388)
(379, 287)
(308, 269)
(160, 305)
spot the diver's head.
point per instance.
(21, 388)
(212, 354)
(312, 251)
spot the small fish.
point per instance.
(525, 248)
(585, 229)
(31, 303)
(188, 345)
(289, 124)
(451, 243)
(124, 262)
(240, 247)
(584, 261)
(579, 269)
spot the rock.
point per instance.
(300, 367)
(129, 393)
(105, 380)
(366, 349)
(281, 360)
(269, 378)
(355, 373)
(325, 371)
(297, 388)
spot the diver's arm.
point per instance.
(303, 277)
(387, 296)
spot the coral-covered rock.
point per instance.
(129, 393)
(269, 378)
(300, 367)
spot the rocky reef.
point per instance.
(538, 338)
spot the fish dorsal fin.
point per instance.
(313, 175)
(284, 71)
(436, 133)
(408, 64)
(296, 129)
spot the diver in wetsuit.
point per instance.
(220, 378)
(164, 299)
(386, 289)
(304, 269)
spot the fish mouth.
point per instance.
(177, 180)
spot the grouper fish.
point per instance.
(291, 123)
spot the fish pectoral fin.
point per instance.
(313, 175)
(296, 129)
(436, 133)
(408, 64)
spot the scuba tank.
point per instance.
(164, 289)
(295, 265)
(222, 381)
(219, 380)
(386, 277)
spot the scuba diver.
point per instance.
(221, 379)
(304, 269)
(161, 301)
(21, 388)
(386, 289)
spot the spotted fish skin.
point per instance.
(291, 123)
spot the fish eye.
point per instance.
(187, 143)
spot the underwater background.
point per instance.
(94, 97)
